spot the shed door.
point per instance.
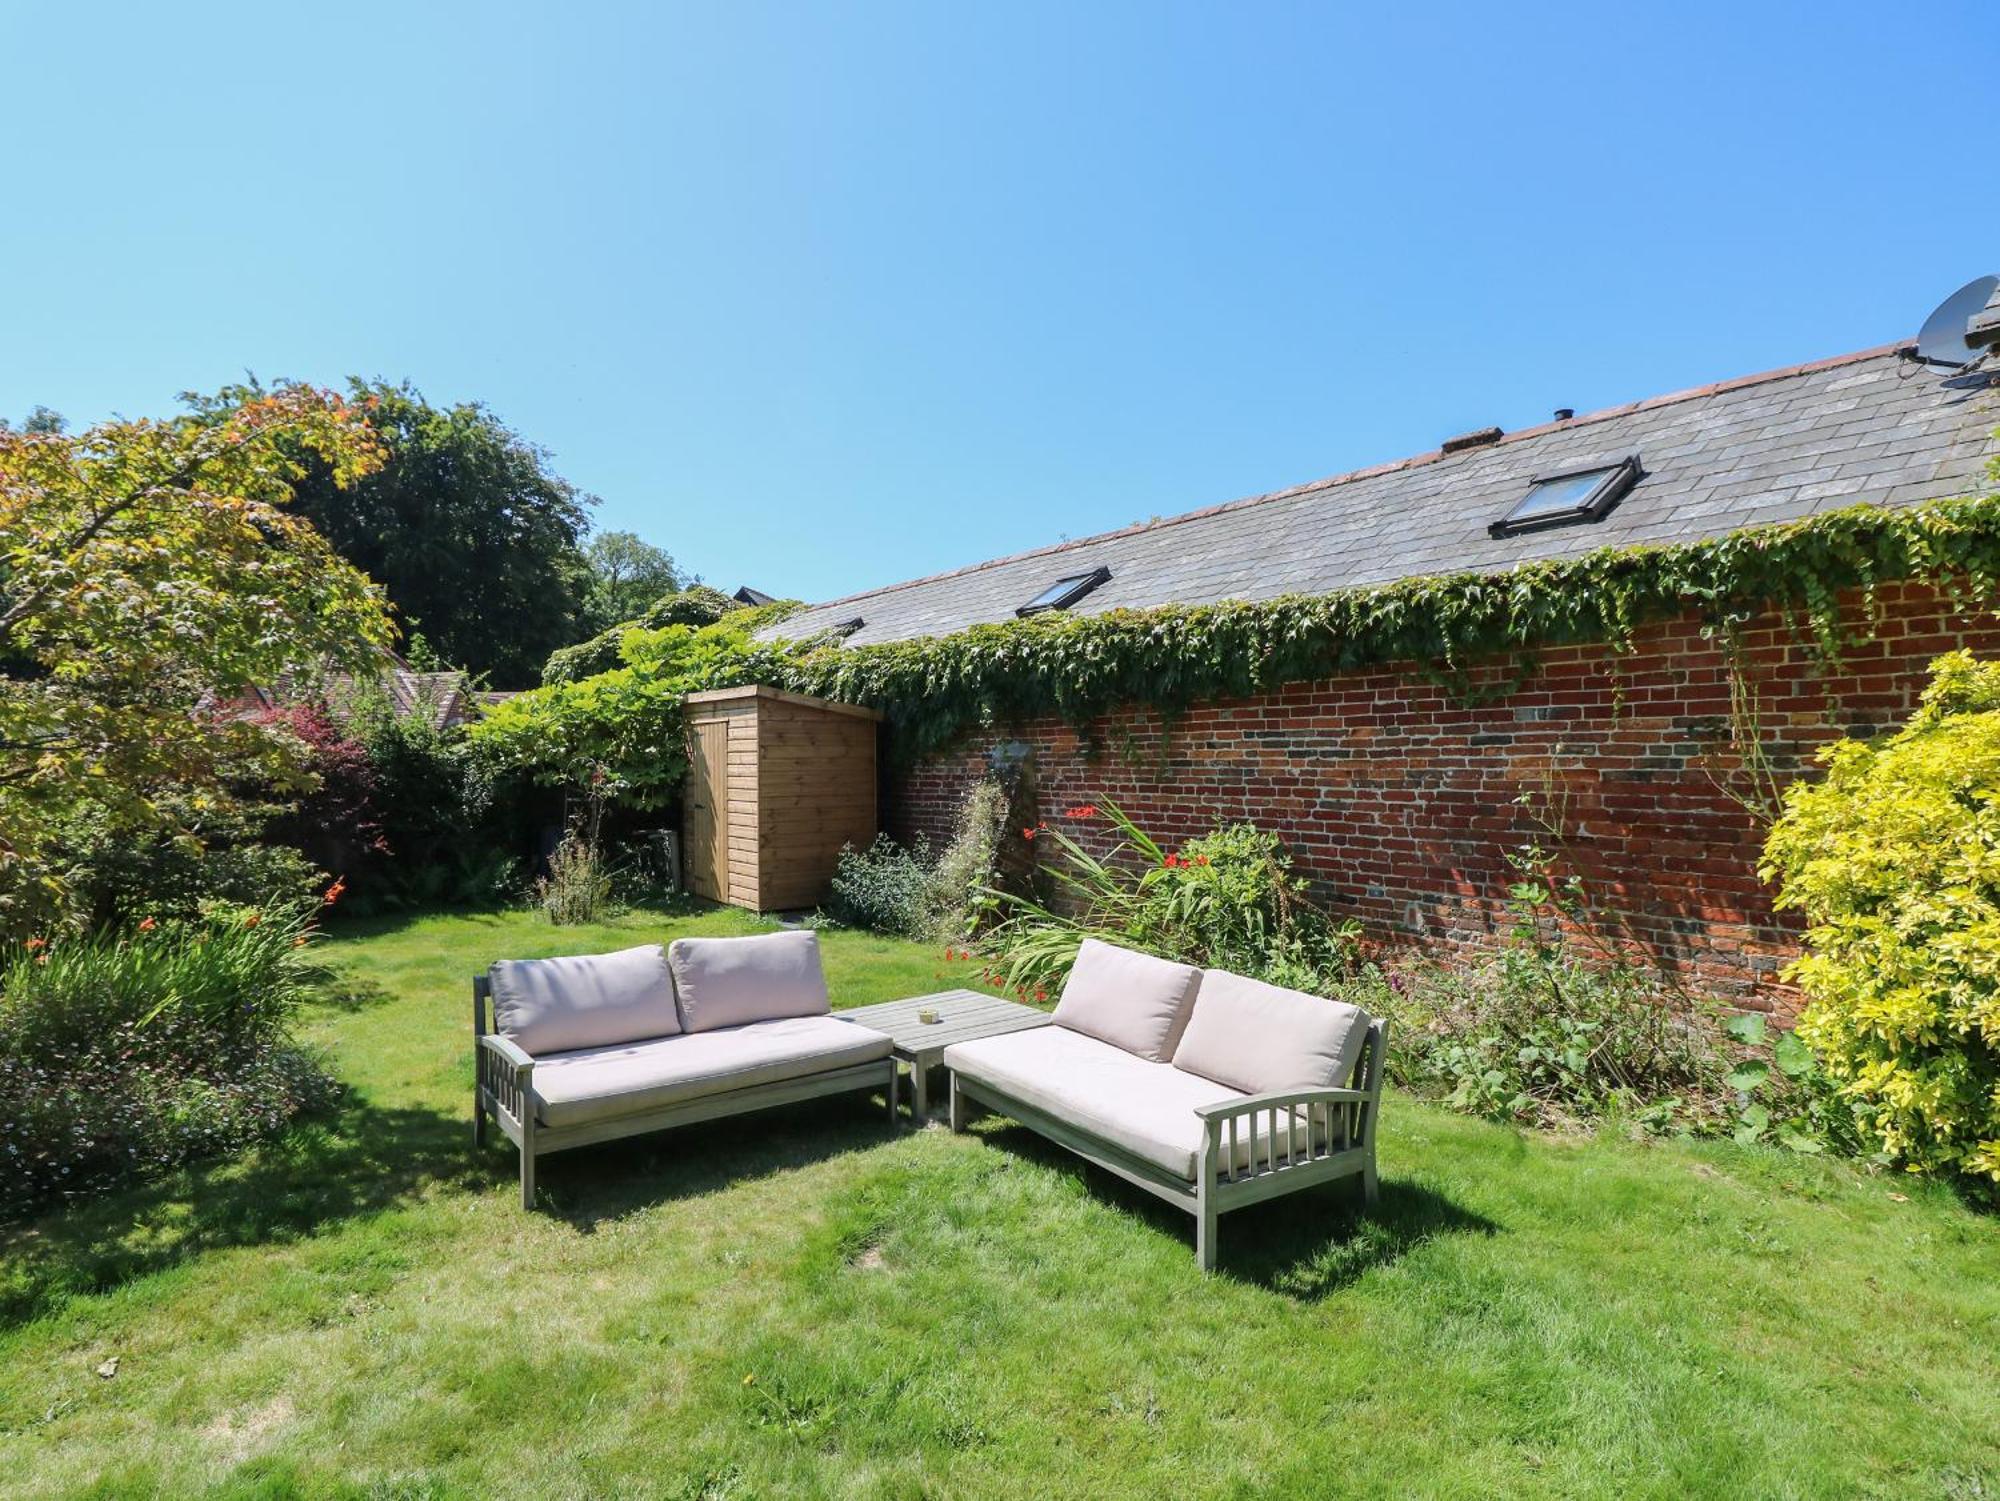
(707, 813)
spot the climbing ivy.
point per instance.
(936, 689)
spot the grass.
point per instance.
(803, 1305)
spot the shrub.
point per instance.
(910, 892)
(578, 886)
(1552, 1032)
(125, 875)
(447, 828)
(1227, 900)
(886, 888)
(126, 1054)
(1895, 861)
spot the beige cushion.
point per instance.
(1145, 1108)
(585, 1001)
(602, 1083)
(1132, 1001)
(725, 982)
(1257, 1037)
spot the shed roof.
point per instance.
(1779, 446)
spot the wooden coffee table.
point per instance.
(962, 1016)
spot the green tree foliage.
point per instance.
(628, 723)
(149, 571)
(1895, 861)
(465, 525)
(42, 420)
(626, 575)
(697, 605)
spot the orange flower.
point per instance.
(146, 925)
(333, 892)
(252, 920)
(299, 942)
(37, 943)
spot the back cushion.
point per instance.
(1132, 1001)
(591, 1001)
(724, 982)
(1257, 1037)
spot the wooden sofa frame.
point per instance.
(503, 1088)
(1334, 1139)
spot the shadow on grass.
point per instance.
(1304, 1245)
(357, 1160)
(603, 1184)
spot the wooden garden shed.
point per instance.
(777, 783)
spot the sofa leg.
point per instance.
(1371, 1191)
(1205, 1225)
(527, 1178)
(892, 1094)
(478, 1120)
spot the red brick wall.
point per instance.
(1398, 796)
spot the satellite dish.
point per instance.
(1942, 339)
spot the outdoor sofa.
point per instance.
(584, 1050)
(1208, 1089)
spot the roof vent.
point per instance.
(1479, 439)
(1563, 414)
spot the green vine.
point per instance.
(935, 690)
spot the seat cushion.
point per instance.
(1144, 1107)
(1130, 1000)
(596, 1084)
(725, 982)
(584, 1001)
(1257, 1037)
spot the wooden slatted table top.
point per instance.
(963, 1015)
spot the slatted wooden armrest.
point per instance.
(1280, 1099)
(509, 1053)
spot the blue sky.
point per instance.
(824, 297)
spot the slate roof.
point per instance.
(1773, 447)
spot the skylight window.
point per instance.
(1576, 495)
(1065, 592)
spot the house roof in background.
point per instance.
(1780, 446)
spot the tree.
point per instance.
(40, 420)
(465, 525)
(696, 605)
(626, 575)
(150, 572)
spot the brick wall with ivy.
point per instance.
(1398, 795)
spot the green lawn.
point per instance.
(801, 1304)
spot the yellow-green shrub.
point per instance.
(1895, 861)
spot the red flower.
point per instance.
(1172, 862)
(1027, 833)
(1201, 859)
(1041, 995)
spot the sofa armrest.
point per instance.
(1283, 1129)
(506, 1076)
(1279, 1099)
(508, 1051)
